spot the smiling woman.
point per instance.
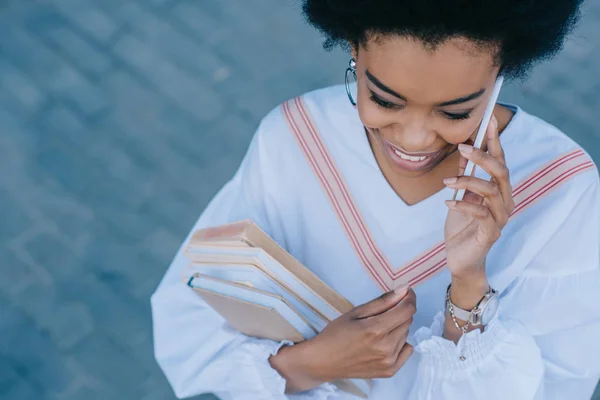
(506, 279)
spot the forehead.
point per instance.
(426, 74)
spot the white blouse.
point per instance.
(544, 342)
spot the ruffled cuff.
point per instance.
(266, 382)
(444, 356)
(323, 392)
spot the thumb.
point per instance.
(381, 304)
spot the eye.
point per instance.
(456, 117)
(384, 104)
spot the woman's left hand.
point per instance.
(474, 224)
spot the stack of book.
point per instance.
(260, 289)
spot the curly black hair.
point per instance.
(522, 31)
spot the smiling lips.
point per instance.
(407, 157)
(413, 162)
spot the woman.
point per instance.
(506, 280)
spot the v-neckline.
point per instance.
(366, 222)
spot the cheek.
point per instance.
(456, 132)
(370, 115)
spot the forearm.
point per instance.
(296, 366)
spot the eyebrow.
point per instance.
(459, 100)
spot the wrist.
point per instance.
(466, 293)
(295, 365)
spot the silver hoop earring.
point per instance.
(350, 70)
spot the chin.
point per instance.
(412, 174)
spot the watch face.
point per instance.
(490, 310)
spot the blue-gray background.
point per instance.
(119, 120)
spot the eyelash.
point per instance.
(457, 117)
(384, 104)
(391, 106)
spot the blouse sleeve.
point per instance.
(544, 342)
(196, 349)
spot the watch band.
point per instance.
(460, 313)
(473, 316)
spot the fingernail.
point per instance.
(465, 148)
(451, 203)
(494, 121)
(450, 181)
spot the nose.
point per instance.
(414, 134)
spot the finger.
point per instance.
(403, 356)
(399, 345)
(380, 305)
(401, 329)
(462, 165)
(462, 162)
(398, 315)
(486, 190)
(483, 216)
(471, 197)
(400, 334)
(494, 167)
(494, 147)
(495, 150)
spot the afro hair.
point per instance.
(522, 31)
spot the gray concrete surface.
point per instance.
(120, 120)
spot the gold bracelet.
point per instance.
(463, 328)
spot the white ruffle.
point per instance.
(444, 355)
(261, 381)
(323, 392)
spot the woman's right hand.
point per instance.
(366, 342)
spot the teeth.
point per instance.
(409, 158)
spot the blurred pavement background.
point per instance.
(120, 120)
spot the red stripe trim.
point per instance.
(546, 171)
(428, 257)
(552, 184)
(358, 248)
(428, 273)
(360, 224)
(366, 234)
(327, 187)
(435, 249)
(530, 181)
(325, 183)
(343, 188)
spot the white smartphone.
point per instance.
(479, 138)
